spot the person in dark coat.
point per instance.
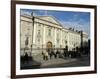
(26, 57)
(57, 54)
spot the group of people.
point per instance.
(48, 54)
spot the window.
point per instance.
(49, 32)
(65, 41)
(38, 36)
(57, 38)
(58, 41)
(39, 24)
(38, 39)
(38, 32)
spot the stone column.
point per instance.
(61, 38)
(55, 34)
(34, 35)
(44, 41)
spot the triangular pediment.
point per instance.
(50, 19)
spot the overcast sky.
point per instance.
(76, 20)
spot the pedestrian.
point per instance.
(57, 54)
(50, 53)
(26, 57)
(45, 55)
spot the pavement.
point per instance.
(56, 62)
(38, 62)
(53, 61)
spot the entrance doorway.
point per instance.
(49, 44)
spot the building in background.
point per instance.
(42, 32)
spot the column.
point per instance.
(44, 41)
(61, 38)
(55, 34)
(34, 35)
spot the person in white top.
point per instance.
(45, 55)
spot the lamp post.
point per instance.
(42, 48)
(81, 41)
(31, 50)
(32, 32)
(26, 46)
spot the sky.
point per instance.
(68, 19)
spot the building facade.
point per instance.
(42, 32)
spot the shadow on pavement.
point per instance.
(29, 63)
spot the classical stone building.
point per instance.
(41, 32)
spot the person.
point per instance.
(57, 54)
(61, 53)
(45, 55)
(50, 53)
(65, 53)
(26, 57)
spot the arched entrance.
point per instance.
(49, 47)
(49, 44)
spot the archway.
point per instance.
(49, 44)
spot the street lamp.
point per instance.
(31, 50)
(42, 48)
(81, 41)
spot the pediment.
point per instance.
(50, 19)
